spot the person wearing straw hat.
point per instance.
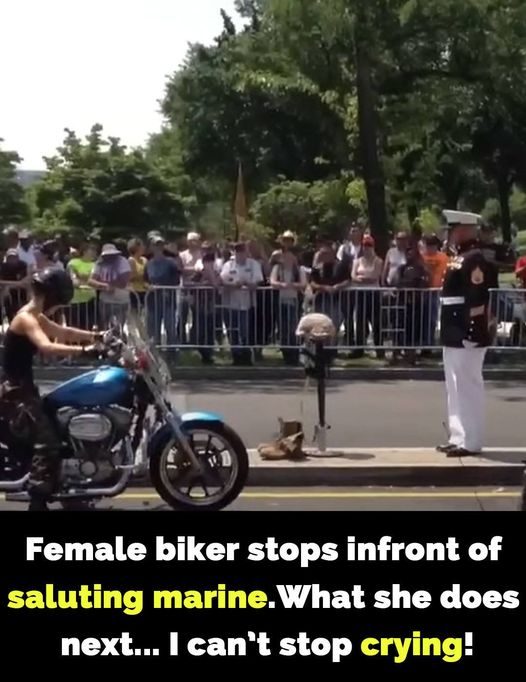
(287, 242)
(111, 276)
(466, 328)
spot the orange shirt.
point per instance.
(436, 263)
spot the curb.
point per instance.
(293, 373)
(410, 467)
(384, 476)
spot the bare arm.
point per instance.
(27, 325)
(317, 287)
(379, 269)
(65, 334)
(385, 272)
(302, 284)
(274, 281)
(94, 283)
(354, 275)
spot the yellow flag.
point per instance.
(240, 205)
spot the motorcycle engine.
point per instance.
(93, 436)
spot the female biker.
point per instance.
(30, 333)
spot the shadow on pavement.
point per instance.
(334, 454)
(507, 457)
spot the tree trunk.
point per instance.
(504, 186)
(368, 129)
(412, 214)
(451, 185)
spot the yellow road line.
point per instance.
(341, 496)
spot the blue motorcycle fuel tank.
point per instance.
(98, 388)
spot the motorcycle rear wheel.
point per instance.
(171, 472)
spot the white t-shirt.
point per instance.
(190, 261)
(235, 273)
(28, 257)
(218, 265)
(350, 250)
(394, 258)
(286, 275)
(109, 272)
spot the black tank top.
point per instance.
(19, 352)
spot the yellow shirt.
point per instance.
(138, 266)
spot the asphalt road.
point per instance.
(376, 414)
(333, 499)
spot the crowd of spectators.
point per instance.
(200, 294)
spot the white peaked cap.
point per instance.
(461, 218)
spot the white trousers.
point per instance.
(465, 396)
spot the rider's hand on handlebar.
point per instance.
(95, 350)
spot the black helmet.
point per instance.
(55, 285)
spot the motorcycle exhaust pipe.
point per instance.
(7, 486)
(127, 469)
(77, 494)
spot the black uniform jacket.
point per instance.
(465, 299)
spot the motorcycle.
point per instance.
(117, 424)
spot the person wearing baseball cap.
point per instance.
(466, 328)
(190, 258)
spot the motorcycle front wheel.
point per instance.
(223, 457)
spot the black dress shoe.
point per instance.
(446, 448)
(461, 452)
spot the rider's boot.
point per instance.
(38, 504)
(43, 478)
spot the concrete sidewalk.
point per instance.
(396, 467)
(381, 467)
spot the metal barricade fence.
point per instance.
(241, 320)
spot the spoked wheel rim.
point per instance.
(220, 469)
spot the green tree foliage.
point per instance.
(387, 109)
(243, 99)
(97, 184)
(303, 207)
(13, 207)
(472, 58)
(492, 210)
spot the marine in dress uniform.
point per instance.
(466, 333)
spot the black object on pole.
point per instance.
(316, 367)
(321, 369)
(318, 332)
